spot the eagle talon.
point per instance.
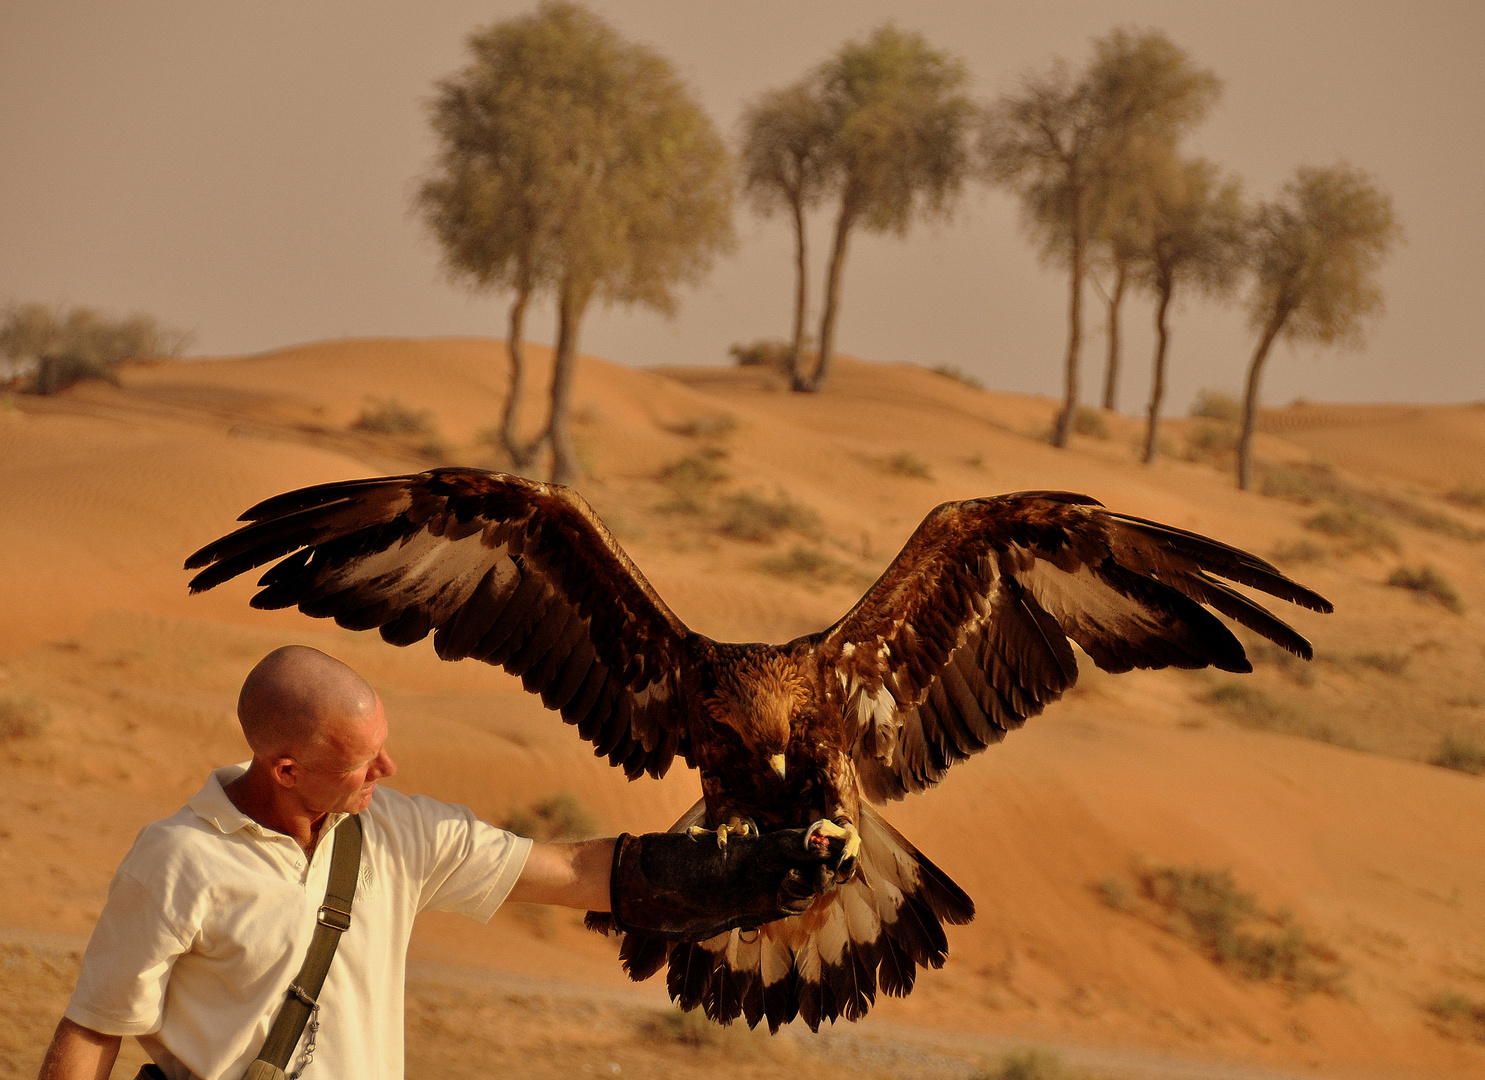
(821, 838)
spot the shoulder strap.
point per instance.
(334, 919)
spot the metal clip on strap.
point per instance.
(334, 919)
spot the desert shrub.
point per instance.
(1388, 663)
(1470, 496)
(1299, 551)
(766, 352)
(1262, 651)
(810, 565)
(1459, 1014)
(1360, 528)
(1032, 1064)
(1306, 484)
(1427, 584)
(1210, 442)
(557, 817)
(391, 417)
(1461, 754)
(705, 426)
(1215, 405)
(23, 717)
(749, 515)
(904, 463)
(72, 345)
(1114, 893)
(950, 371)
(691, 479)
(1090, 421)
(1249, 707)
(1206, 907)
(692, 1029)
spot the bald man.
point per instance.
(210, 914)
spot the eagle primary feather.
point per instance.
(963, 638)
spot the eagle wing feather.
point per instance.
(966, 634)
(503, 569)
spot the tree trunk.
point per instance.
(570, 306)
(1111, 372)
(521, 455)
(801, 296)
(1157, 382)
(1250, 397)
(1064, 427)
(832, 301)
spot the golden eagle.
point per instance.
(961, 639)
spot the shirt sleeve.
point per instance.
(472, 866)
(121, 987)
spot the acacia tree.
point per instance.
(71, 345)
(1148, 94)
(1195, 238)
(1316, 252)
(785, 150)
(573, 162)
(897, 118)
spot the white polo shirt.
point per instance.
(210, 915)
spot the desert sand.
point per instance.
(1315, 793)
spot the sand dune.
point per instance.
(105, 490)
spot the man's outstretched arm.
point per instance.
(570, 875)
(79, 1053)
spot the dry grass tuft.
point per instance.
(691, 479)
(1428, 585)
(23, 717)
(1250, 707)
(705, 426)
(1216, 405)
(1210, 443)
(1461, 754)
(1357, 527)
(557, 817)
(1459, 1015)
(390, 417)
(692, 1029)
(749, 515)
(904, 463)
(1469, 496)
(1206, 907)
(1031, 1064)
(1388, 663)
(812, 566)
(1297, 552)
(1091, 422)
(950, 371)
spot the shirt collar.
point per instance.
(212, 804)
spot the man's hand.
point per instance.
(79, 1053)
(689, 887)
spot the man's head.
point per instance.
(317, 728)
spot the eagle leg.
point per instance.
(823, 832)
(734, 826)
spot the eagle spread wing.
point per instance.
(962, 638)
(965, 635)
(499, 568)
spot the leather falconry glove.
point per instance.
(688, 888)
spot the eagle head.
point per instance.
(757, 697)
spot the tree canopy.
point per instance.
(573, 162)
(897, 119)
(1317, 249)
(70, 345)
(1074, 149)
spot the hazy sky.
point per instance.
(244, 170)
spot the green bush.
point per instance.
(1427, 584)
(1461, 754)
(23, 717)
(748, 515)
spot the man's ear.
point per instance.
(285, 772)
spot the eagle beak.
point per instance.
(777, 762)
